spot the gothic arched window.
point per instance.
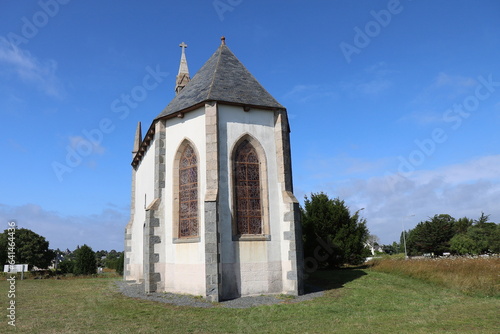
(188, 193)
(247, 190)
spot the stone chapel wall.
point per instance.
(249, 267)
(182, 263)
(144, 194)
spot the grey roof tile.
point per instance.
(222, 78)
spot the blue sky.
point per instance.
(394, 106)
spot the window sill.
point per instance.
(252, 237)
(185, 240)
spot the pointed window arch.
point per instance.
(188, 193)
(247, 190)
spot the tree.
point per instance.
(494, 240)
(482, 220)
(111, 259)
(329, 221)
(100, 257)
(113, 254)
(391, 249)
(85, 263)
(431, 236)
(462, 225)
(120, 264)
(463, 244)
(30, 248)
(484, 234)
(114, 259)
(479, 237)
(66, 266)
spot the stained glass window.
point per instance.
(247, 190)
(188, 193)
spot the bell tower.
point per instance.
(183, 75)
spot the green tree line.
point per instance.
(33, 249)
(443, 233)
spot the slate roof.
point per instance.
(223, 78)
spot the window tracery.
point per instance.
(247, 190)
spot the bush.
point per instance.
(66, 266)
(120, 264)
(85, 263)
(329, 222)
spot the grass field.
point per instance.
(473, 276)
(357, 300)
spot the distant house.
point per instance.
(60, 256)
(374, 248)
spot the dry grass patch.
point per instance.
(473, 276)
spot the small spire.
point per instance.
(223, 40)
(183, 67)
(183, 74)
(137, 139)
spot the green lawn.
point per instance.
(357, 301)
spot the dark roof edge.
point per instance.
(144, 145)
(151, 131)
(199, 104)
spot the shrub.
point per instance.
(66, 266)
(329, 221)
(85, 263)
(120, 263)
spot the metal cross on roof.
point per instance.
(183, 46)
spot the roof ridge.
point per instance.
(215, 71)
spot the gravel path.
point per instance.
(134, 290)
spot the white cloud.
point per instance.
(483, 168)
(373, 87)
(423, 116)
(464, 189)
(99, 231)
(77, 142)
(304, 93)
(15, 146)
(343, 164)
(30, 70)
(372, 82)
(457, 82)
(434, 99)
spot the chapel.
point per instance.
(212, 208)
